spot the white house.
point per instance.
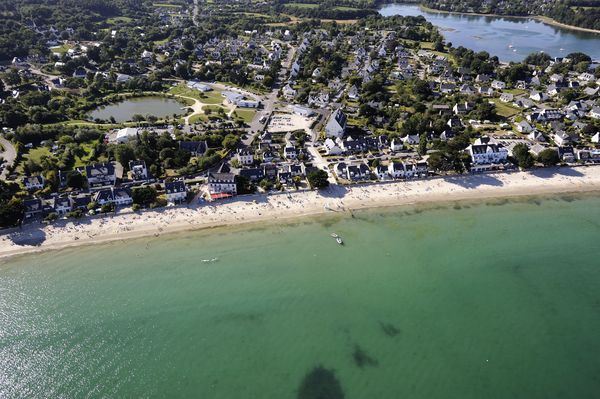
(244, 156)
(524, 127)
(33, 183)
(336, 125)
(61, 205)
(396, 170)
(411, 139)
(138, 170)
(125, 134)
(596, 138)
(561, 138)
(396, 145)
(117, 196)
(332, 148)
(595, 113)
(221, 184)
(487, 153)
(100, 175)
(176, 191)
(498, 85)
(288, 92)
(536, 136)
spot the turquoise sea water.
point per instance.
(496, 300)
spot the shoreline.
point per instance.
(540, 18)
(260, 208)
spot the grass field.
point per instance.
(118, 20)
(245, 114)
(61, 49)
(504, 109)
(166, 5)
(197, 118)
(302, 5)
(211, 97)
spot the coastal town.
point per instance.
(299, 199)
(273, 109)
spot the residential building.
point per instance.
(138, 170)
(33, 183)
(336, 126)
(176, 191)
(245, 156)
(195, 148)
(221, 184)
(100, 175)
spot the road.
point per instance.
(196, 12)
(9, 155)
(270, 100)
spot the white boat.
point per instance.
(334, 235)
(510, 46)
(339, 241)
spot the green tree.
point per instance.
(124, 154)
(231, 141)
(11, 212)
(144, 196)
(76, 180)
(318, 179)
(548, 157)
(523, 156)
(266, 184)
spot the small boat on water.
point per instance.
(339, 241)
(334, 235)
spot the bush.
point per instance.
(548, 157)
(318, 179)
(76, 214)
(144, 196)
(51, 217)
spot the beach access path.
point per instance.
(288, 205)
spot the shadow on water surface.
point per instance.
(362, 358)
(389, 329)
(320, 383)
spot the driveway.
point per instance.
(9, 154)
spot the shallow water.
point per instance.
(511, 39)
(465, 300)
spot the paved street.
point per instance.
(9, 154)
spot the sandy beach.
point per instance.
(268, 208)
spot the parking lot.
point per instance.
(281, 122)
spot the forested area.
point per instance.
(72, 19)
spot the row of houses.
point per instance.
(394, 170)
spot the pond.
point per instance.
(124, 111)
(511, 39)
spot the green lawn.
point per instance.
(214, 109)
(166, 5)
(197, 118)
(504, 109)
(245, 114)
(211, 97)
(118, 20)
(61, 49)
(302, 5)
